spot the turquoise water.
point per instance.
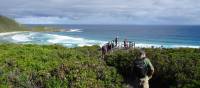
(143, 36)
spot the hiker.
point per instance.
(109, 46)
(112, 44)
(116, 41)
(143, 70)
(125, 44)
(104, 50)
(131, 44)
(134, 45)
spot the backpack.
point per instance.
(140, 68)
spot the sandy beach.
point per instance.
(10, 33)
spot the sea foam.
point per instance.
(71, 41)
(75, 30)
(147, 45)
(21, 38)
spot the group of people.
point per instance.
(128, 44)
(109, 46)
(115, 44)
(143, 68)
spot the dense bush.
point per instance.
(179, 68)
(54, 66)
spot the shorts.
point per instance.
(142, 82)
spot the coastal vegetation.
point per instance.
(8, 25)
(174, 68)
(54, 66)
(58, 66)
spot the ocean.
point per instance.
(87, 35)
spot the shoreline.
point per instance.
(137, 45)
(10, 33)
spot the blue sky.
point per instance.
(144, 12)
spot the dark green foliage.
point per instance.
(27, 66)
(177, 68)
(7, 24)
(54, 66)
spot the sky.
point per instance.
(142, 12)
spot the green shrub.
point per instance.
(178, 68)
(55, 66)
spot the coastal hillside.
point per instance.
(7, 25)
(10, 25)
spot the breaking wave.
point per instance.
(75, 30)
(146, 45)
(21, 38)
(70, 41)
(46, 38)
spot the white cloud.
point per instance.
(102, 11)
